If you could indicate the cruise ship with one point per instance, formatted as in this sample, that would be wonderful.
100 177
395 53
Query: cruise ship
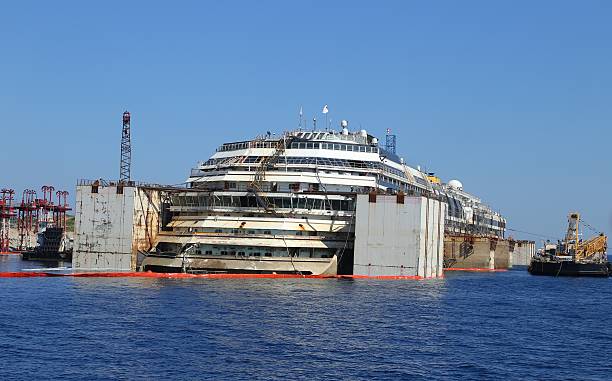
286 204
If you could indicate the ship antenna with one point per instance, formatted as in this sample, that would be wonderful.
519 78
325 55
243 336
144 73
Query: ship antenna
301 118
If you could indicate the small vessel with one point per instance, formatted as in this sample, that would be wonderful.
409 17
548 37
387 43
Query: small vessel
52 245
573 256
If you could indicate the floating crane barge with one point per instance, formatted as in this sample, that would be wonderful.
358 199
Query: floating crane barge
573 257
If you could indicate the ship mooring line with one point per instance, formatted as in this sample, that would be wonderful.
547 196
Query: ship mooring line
533 234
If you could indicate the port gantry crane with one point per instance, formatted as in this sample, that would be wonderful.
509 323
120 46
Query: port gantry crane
585 250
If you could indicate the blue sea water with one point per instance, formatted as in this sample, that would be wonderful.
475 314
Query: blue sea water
468 326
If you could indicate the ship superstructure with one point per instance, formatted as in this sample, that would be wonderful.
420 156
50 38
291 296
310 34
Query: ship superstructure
286 204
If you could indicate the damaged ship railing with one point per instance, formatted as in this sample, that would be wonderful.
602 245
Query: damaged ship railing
131 183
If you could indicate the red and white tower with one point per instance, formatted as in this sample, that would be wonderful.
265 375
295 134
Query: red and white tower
6 213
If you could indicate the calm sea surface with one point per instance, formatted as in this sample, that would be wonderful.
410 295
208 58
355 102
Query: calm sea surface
467 326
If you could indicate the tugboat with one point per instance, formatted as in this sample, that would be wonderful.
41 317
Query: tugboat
572 256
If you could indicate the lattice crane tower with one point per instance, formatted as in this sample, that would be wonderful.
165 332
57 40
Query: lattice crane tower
126 150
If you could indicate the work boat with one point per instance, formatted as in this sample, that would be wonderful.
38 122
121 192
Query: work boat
572 256
287 204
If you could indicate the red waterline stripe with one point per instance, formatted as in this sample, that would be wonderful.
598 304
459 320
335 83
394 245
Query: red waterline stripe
10 252
32 274
478 269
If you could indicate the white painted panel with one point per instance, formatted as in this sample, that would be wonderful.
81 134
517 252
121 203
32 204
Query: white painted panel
398 239
103 235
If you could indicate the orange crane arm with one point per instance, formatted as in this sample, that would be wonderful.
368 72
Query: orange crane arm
592 246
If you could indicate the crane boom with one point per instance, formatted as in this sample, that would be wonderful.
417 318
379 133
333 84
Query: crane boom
584 250
591 247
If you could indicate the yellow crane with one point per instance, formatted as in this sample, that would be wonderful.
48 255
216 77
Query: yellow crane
591 247
583 250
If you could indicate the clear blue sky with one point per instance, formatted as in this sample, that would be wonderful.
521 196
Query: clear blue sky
514 98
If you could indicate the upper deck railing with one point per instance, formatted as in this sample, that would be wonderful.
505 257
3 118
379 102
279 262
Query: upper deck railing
271 141
140 184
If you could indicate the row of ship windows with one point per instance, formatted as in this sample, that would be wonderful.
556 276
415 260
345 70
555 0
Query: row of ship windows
476 219
480 220
473 229
251 202
244 145
322 161
334 146
259 252
299 145
252 231
389 182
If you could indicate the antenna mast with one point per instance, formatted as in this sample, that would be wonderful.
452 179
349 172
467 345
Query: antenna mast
390 142
126 150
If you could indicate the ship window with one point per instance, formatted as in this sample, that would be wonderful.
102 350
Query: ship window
267 232
298 203
286 202
223 252
309 145
257 254
208 252
241 253
94 189
268 254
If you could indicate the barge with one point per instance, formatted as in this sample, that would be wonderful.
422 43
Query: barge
573 256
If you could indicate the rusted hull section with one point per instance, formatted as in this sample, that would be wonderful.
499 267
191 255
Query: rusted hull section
278 265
